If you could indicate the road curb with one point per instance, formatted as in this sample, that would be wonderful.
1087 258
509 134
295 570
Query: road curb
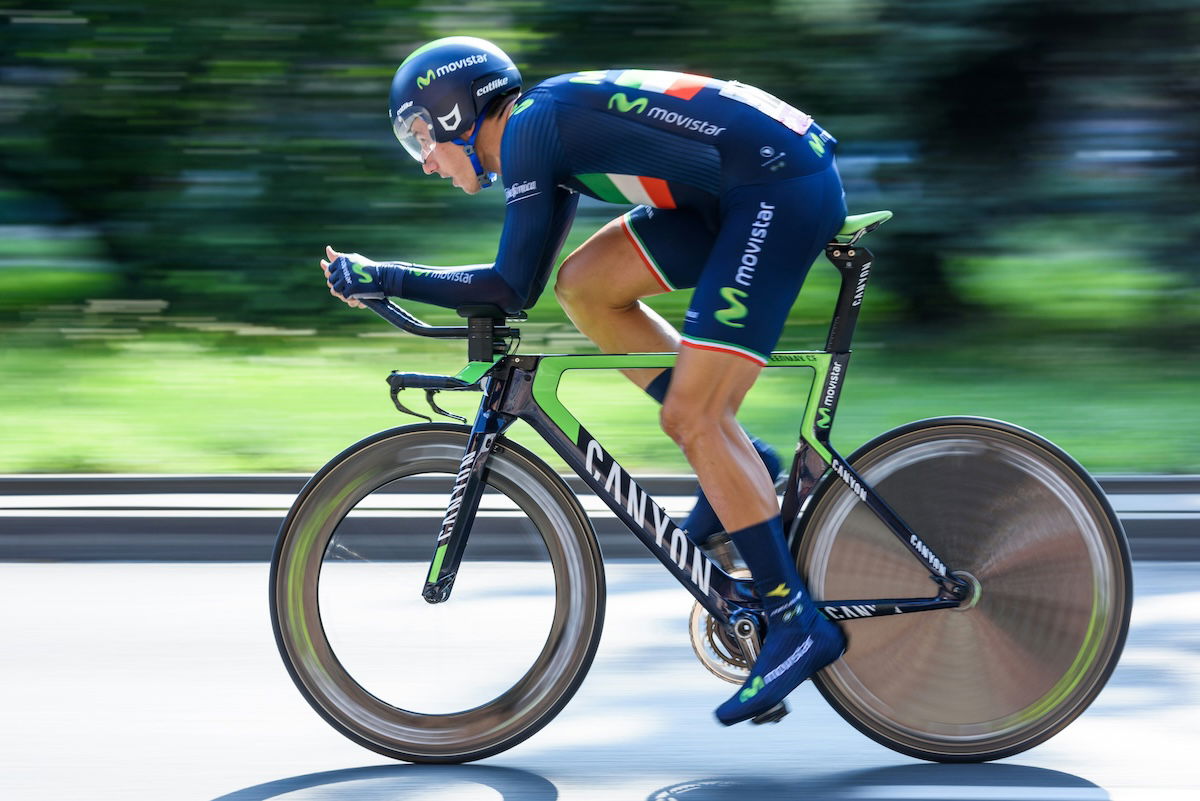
234 518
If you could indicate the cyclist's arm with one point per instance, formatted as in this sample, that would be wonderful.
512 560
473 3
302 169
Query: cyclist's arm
532 237
537 218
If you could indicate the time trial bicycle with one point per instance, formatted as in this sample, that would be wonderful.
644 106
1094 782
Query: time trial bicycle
437 591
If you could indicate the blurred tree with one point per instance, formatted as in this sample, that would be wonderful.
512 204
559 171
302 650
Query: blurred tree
209 146
216 148
977 91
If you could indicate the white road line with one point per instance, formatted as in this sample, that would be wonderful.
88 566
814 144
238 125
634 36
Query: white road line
163 503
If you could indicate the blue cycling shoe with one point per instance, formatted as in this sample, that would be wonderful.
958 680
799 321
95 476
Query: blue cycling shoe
800 640
793 651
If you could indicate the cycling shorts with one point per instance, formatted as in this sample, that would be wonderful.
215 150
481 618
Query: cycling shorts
748 264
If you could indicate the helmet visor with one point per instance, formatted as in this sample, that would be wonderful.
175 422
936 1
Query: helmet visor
414 129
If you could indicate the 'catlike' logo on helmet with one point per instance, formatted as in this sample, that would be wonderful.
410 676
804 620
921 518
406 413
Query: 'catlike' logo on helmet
496 84
451 120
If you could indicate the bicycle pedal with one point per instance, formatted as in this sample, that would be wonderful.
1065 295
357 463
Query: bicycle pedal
772 715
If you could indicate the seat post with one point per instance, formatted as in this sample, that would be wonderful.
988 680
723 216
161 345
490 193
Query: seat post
854 264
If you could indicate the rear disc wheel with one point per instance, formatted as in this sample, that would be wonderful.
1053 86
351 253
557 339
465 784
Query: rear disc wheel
1051 590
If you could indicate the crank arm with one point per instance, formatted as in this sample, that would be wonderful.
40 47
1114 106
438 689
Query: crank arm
745 629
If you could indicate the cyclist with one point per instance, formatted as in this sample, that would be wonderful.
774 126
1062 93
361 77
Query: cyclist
736 193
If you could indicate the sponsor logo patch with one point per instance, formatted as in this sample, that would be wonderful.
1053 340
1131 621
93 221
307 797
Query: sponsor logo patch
623 104
758 234
432 75
736 311
490 85
646 514
451 120
520 191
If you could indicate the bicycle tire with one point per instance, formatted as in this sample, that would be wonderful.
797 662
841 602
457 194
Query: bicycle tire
1037 641
346 606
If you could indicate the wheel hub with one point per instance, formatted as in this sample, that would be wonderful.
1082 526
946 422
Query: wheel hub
974 590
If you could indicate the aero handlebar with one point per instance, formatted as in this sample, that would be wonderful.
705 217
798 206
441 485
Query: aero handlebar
407 322
485 331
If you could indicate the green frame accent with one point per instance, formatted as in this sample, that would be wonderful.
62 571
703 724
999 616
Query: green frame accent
439 556
477 370
550 371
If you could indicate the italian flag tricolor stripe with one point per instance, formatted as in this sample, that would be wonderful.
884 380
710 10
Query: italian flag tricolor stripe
676 84
644 252
724 347
637 189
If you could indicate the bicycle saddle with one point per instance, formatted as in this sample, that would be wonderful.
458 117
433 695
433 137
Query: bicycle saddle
863 223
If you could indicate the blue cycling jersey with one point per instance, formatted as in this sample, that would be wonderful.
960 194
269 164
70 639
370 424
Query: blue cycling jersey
736 190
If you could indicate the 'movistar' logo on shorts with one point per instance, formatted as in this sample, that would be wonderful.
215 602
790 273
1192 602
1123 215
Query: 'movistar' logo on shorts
736 311
754 243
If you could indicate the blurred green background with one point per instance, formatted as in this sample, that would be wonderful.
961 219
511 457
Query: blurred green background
170 173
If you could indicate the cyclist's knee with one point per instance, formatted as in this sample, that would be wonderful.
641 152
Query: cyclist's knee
604 271
591 276
689 421
576 279
676 422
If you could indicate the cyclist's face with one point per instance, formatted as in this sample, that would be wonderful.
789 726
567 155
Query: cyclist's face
420 131
449 160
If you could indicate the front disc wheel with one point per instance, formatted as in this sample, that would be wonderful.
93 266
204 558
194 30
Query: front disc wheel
458 680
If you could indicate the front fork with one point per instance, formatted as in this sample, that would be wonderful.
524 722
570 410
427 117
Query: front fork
464 501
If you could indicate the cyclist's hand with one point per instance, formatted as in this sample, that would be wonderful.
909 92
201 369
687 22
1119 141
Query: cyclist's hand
351 277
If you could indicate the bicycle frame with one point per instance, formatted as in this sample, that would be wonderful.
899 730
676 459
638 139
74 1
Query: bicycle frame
525 388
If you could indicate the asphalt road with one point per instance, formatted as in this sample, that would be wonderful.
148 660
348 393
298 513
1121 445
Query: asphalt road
158 682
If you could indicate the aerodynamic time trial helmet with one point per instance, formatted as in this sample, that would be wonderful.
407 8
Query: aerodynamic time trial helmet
442 88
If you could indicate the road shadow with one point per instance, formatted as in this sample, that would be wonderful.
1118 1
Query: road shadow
400 781
924 782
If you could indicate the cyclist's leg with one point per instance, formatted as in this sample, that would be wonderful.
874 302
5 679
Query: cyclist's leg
699 413
770 235
601 284
642 253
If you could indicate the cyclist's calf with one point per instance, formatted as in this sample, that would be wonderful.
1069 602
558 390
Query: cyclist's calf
706 391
